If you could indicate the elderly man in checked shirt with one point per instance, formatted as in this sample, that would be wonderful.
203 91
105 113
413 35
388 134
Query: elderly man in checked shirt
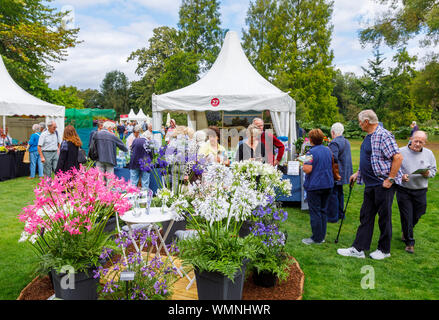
379 170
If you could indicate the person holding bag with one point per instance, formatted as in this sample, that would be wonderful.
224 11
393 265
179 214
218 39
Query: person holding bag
68 155
34 156
319 181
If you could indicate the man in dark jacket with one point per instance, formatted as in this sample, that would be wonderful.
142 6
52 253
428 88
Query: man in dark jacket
341 150
107 142
270 142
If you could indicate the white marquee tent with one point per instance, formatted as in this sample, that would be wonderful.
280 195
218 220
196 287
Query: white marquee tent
141 116
232 84
14 101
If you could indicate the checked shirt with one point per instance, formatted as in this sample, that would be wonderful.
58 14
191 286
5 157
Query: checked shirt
384 147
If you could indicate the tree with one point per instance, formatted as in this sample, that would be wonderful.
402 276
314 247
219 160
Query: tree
67 97
32 35
180 70
164 43
304 67
400 109
92 98
403 21
348 91
260 38
199 25
114 90
425 87
373 85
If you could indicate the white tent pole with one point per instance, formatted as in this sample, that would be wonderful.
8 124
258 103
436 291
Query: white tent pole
4 123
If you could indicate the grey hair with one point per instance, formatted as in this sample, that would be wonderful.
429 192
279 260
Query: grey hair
337 128
257 119
137 128
252 130
369 115
108 125
36 127
200 136
42 125
51 123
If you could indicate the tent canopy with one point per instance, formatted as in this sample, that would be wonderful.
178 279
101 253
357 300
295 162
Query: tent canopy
14 101
141 116
232 84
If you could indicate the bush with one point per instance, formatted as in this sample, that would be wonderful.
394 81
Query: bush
402 132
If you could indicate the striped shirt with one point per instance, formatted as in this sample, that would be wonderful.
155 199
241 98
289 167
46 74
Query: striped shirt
384 147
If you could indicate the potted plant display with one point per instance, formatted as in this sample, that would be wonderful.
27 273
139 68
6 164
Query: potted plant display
173 166
271 262
218 205
65 226
131 276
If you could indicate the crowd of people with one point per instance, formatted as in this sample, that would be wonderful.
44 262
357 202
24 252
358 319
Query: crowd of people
384 169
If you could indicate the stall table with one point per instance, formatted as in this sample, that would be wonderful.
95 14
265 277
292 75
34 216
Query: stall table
12 166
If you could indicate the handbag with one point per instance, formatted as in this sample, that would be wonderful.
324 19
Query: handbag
26 156
335 170
93 150
81 155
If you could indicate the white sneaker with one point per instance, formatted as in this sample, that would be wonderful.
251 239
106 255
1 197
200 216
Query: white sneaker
309 241
379 255
351 252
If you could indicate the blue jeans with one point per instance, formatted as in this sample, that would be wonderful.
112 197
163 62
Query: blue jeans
35 159
317 202
135 174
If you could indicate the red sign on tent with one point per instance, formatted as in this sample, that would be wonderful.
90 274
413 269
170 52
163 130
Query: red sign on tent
215 102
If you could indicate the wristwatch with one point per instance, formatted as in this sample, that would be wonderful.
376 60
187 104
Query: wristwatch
392 180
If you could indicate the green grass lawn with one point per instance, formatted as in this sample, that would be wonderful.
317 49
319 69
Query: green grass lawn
327 275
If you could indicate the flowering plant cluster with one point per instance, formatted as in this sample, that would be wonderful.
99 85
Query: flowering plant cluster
152 275
66 222
218 205
177 164
267 217
272 256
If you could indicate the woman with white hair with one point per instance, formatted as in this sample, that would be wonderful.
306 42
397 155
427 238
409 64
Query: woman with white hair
34 156
414 127
341 150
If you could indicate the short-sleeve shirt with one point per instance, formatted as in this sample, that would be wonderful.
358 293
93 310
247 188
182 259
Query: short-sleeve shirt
49 141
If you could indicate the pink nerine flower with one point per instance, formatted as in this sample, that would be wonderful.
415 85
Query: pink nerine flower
75 201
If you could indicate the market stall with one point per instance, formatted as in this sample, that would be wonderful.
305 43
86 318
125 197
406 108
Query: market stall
232 84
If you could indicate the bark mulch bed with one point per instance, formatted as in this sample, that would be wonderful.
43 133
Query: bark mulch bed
290 289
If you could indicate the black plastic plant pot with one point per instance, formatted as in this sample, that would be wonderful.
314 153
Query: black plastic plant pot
264 279
245 229
82 287
217 286
110 226
178 225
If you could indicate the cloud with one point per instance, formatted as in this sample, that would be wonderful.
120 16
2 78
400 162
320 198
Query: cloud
104 48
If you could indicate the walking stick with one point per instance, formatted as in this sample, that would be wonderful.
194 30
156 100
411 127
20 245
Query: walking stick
351 186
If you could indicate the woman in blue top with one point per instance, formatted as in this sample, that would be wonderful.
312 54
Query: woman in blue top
318 184
34 156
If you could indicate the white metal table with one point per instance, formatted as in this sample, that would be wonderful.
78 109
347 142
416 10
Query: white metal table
155 216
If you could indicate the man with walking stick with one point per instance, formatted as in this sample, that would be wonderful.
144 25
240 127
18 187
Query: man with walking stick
379 170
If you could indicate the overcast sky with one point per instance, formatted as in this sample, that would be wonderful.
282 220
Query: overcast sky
112 29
